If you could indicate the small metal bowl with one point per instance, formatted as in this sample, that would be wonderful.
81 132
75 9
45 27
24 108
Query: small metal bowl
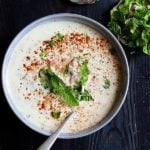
99 28
84 1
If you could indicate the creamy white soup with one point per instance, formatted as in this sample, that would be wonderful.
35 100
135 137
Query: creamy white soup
62 66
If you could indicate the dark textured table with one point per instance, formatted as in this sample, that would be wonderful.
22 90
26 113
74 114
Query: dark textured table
129 130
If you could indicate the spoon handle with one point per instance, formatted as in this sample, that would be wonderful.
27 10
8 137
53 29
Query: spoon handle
50 141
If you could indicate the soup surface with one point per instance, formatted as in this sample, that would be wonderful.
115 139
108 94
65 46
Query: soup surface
62 66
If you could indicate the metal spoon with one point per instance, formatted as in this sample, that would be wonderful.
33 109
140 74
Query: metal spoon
50 141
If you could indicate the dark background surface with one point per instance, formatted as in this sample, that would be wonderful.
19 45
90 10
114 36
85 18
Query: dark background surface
129 130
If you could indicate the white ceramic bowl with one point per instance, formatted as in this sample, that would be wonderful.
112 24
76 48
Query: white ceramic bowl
100 28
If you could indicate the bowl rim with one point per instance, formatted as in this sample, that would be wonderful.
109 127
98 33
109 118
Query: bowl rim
85 20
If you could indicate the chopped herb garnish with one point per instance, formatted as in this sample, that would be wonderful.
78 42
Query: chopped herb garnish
55 115
84 72
42 55
106 84
57 86
52 42
86 35
70 95
58 37
85 96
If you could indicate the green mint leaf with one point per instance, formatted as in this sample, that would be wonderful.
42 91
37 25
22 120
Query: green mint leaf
84 72
115 28
69 95
146 49
130 22
85 96
57 86
69 98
